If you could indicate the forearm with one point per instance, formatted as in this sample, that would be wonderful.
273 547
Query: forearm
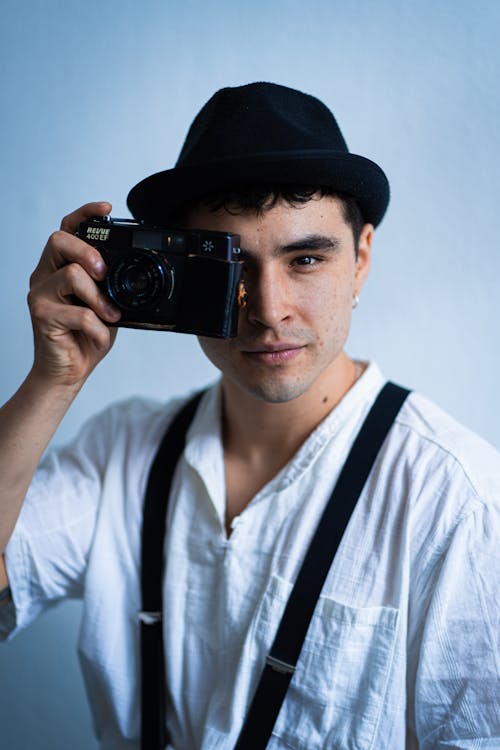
27 423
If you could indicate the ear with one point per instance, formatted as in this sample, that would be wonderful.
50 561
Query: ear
364 259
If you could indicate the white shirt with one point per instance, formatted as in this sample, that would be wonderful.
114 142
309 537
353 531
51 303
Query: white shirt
404 646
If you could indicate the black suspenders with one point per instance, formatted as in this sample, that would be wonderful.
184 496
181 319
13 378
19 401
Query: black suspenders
285 651
153 698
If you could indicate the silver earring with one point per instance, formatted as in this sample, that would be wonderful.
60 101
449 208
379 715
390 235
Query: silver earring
355 301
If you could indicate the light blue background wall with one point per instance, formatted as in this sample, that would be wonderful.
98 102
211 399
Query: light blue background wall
96 95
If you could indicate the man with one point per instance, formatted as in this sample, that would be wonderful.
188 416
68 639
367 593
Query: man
402 649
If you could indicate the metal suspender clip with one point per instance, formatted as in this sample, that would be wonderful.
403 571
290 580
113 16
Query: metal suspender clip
149 618
279 666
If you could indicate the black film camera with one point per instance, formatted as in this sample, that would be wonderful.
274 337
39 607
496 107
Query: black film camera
169 279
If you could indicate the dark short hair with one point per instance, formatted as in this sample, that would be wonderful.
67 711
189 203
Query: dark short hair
261 198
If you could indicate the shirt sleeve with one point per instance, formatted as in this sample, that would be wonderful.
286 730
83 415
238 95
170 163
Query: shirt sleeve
457 671
48 550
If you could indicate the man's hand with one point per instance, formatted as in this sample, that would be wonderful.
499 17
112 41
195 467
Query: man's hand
70 339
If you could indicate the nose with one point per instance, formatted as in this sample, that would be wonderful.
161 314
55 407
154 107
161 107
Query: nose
268 302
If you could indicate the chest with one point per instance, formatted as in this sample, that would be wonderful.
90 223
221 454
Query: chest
244 481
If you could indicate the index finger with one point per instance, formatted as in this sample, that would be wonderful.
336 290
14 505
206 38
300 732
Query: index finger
63 249
71 221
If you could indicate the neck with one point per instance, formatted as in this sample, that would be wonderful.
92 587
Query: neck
260 431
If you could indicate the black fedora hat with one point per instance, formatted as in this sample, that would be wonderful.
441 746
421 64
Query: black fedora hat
262 134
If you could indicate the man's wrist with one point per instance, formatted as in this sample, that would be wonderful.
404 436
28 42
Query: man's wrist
41 385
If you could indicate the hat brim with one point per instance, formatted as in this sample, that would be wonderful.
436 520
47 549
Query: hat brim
159 195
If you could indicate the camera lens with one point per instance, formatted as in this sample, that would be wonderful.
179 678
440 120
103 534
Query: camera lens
139 280
136 281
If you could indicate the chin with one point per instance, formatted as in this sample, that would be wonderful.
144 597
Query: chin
275 392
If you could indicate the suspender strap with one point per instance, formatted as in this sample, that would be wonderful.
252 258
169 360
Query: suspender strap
153 725
281 662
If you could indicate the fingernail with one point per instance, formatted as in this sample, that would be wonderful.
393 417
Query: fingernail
112 311
99 266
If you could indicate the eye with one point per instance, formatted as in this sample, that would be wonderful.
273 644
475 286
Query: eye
306 261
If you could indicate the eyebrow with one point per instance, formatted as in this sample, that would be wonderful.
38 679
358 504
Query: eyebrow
308 242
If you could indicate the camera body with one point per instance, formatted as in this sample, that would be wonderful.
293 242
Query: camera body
169 279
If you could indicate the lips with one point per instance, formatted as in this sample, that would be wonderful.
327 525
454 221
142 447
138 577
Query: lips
278 353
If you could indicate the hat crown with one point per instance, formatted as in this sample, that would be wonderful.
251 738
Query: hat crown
259 118
261 134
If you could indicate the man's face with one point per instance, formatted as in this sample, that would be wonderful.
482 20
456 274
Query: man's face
301 274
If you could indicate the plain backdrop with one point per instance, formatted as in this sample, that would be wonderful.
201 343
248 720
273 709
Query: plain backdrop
96 95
